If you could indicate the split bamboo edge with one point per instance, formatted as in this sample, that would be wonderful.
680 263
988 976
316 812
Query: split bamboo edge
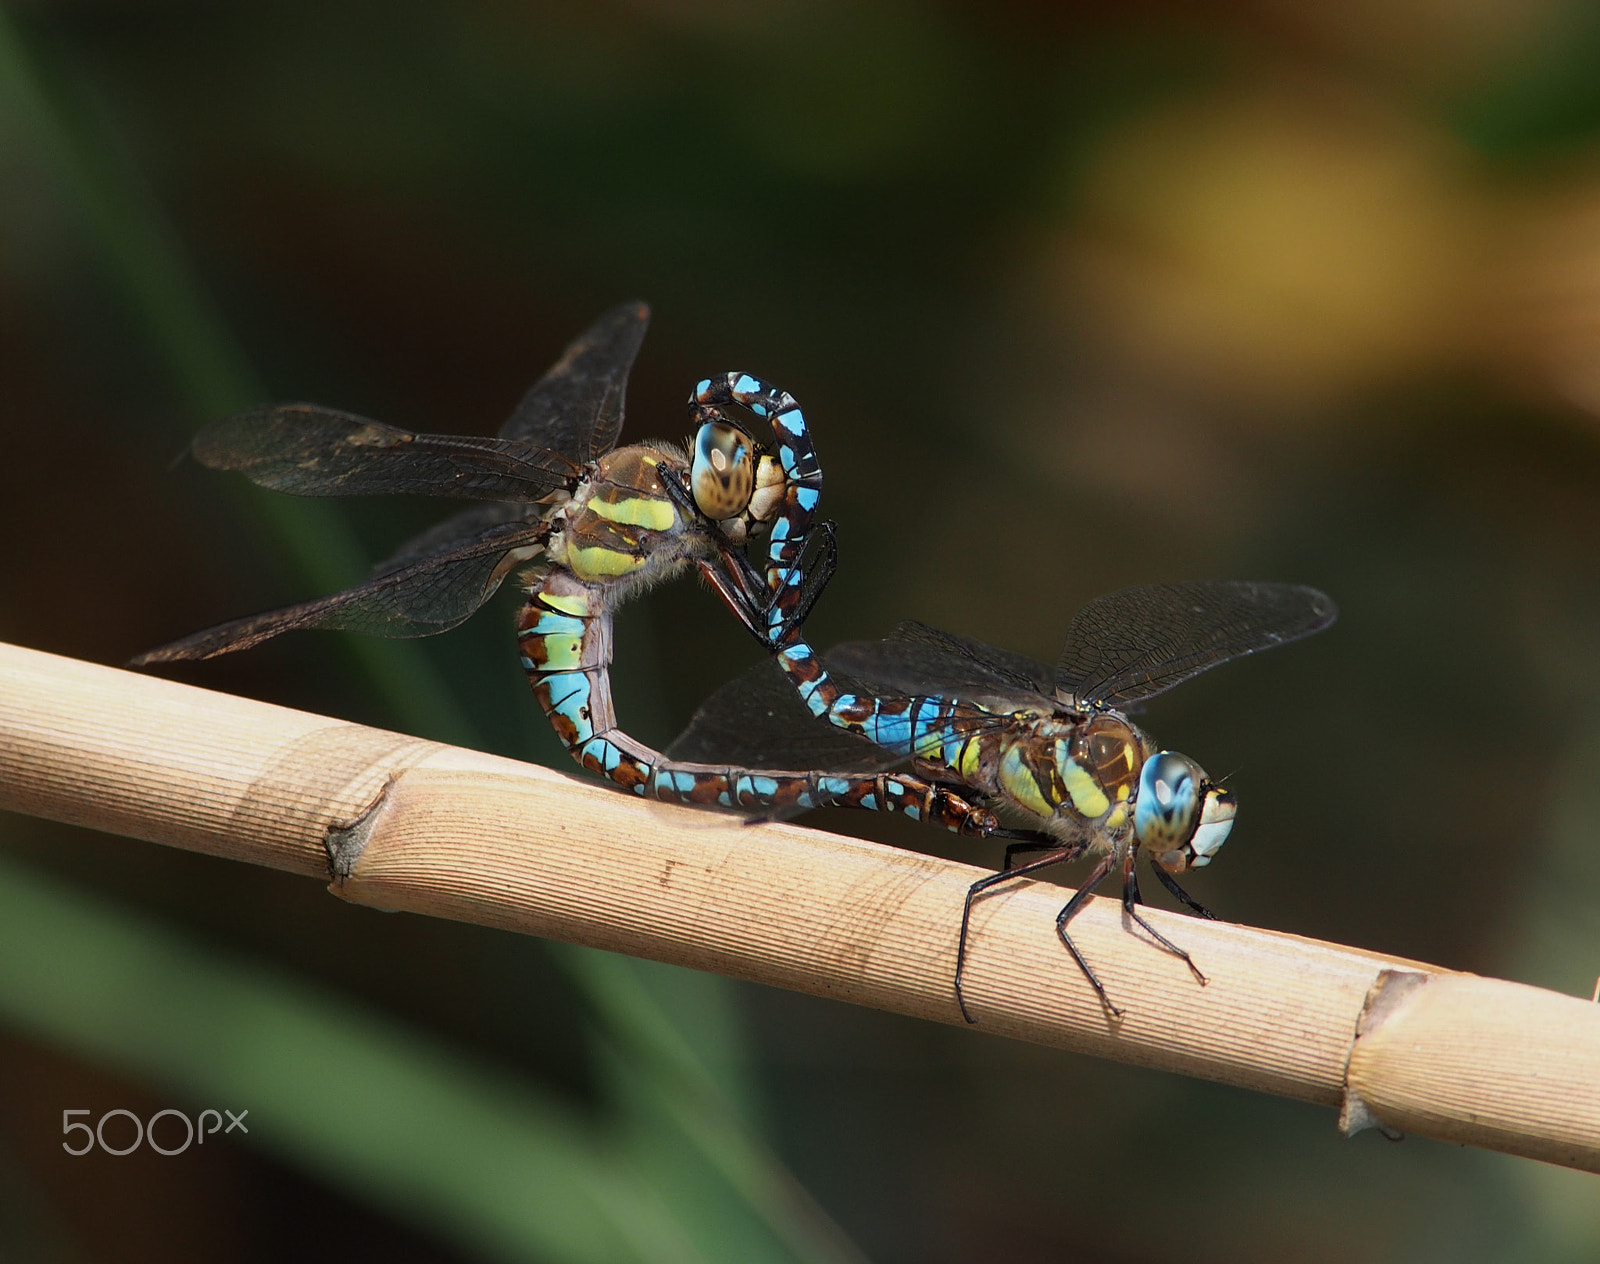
395 822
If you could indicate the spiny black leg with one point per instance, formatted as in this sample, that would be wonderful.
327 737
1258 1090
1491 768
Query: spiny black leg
1030 840
741 587
1187 900
744 607
1061 855
747 594
1130 897
1080 897
1019 849
1033 836
676 485
814 580
750 584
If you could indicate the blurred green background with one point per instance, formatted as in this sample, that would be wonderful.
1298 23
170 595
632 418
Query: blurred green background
1075 298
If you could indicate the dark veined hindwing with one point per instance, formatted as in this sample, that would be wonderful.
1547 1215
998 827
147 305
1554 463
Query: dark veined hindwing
417 598
576 408
308 450
917 659
434 582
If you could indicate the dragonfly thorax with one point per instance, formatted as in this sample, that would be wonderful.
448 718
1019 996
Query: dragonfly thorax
1074 772
622 523
620 518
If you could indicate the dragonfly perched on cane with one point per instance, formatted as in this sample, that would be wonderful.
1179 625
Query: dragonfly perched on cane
985 728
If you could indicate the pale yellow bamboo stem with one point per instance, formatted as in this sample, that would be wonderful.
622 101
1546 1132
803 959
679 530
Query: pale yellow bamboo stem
399 823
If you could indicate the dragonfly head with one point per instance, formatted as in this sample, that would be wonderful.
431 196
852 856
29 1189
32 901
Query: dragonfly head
723 473
733 482
1180 814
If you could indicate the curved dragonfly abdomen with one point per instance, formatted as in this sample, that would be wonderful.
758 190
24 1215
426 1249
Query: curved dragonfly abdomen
565 630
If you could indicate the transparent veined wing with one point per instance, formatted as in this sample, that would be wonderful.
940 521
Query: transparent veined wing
433 594
576 409
757 720
919 659
1136 643
308 450
459 528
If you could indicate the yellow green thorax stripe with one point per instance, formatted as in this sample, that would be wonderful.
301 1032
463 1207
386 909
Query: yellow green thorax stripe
1088 799
654 513
971 752
599 562
1019 782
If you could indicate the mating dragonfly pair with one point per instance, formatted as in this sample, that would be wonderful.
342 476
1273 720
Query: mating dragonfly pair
926 723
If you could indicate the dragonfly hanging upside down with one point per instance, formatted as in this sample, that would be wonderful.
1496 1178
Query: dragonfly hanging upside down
983 728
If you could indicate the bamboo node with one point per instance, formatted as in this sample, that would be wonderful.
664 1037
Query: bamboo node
1385 998
346 840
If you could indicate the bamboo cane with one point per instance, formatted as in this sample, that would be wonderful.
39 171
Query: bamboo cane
399 823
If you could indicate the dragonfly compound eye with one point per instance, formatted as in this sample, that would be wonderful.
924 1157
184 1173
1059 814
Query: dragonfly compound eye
1179 815
723 474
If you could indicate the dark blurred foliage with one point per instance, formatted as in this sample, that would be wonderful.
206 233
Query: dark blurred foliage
1074 299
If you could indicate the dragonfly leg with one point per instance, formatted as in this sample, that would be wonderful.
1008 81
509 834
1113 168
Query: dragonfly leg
752 608
1059 856
814 579
1079 898
1184 898
737 600
1130 899
1029 841
804 583
740 570
742 588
